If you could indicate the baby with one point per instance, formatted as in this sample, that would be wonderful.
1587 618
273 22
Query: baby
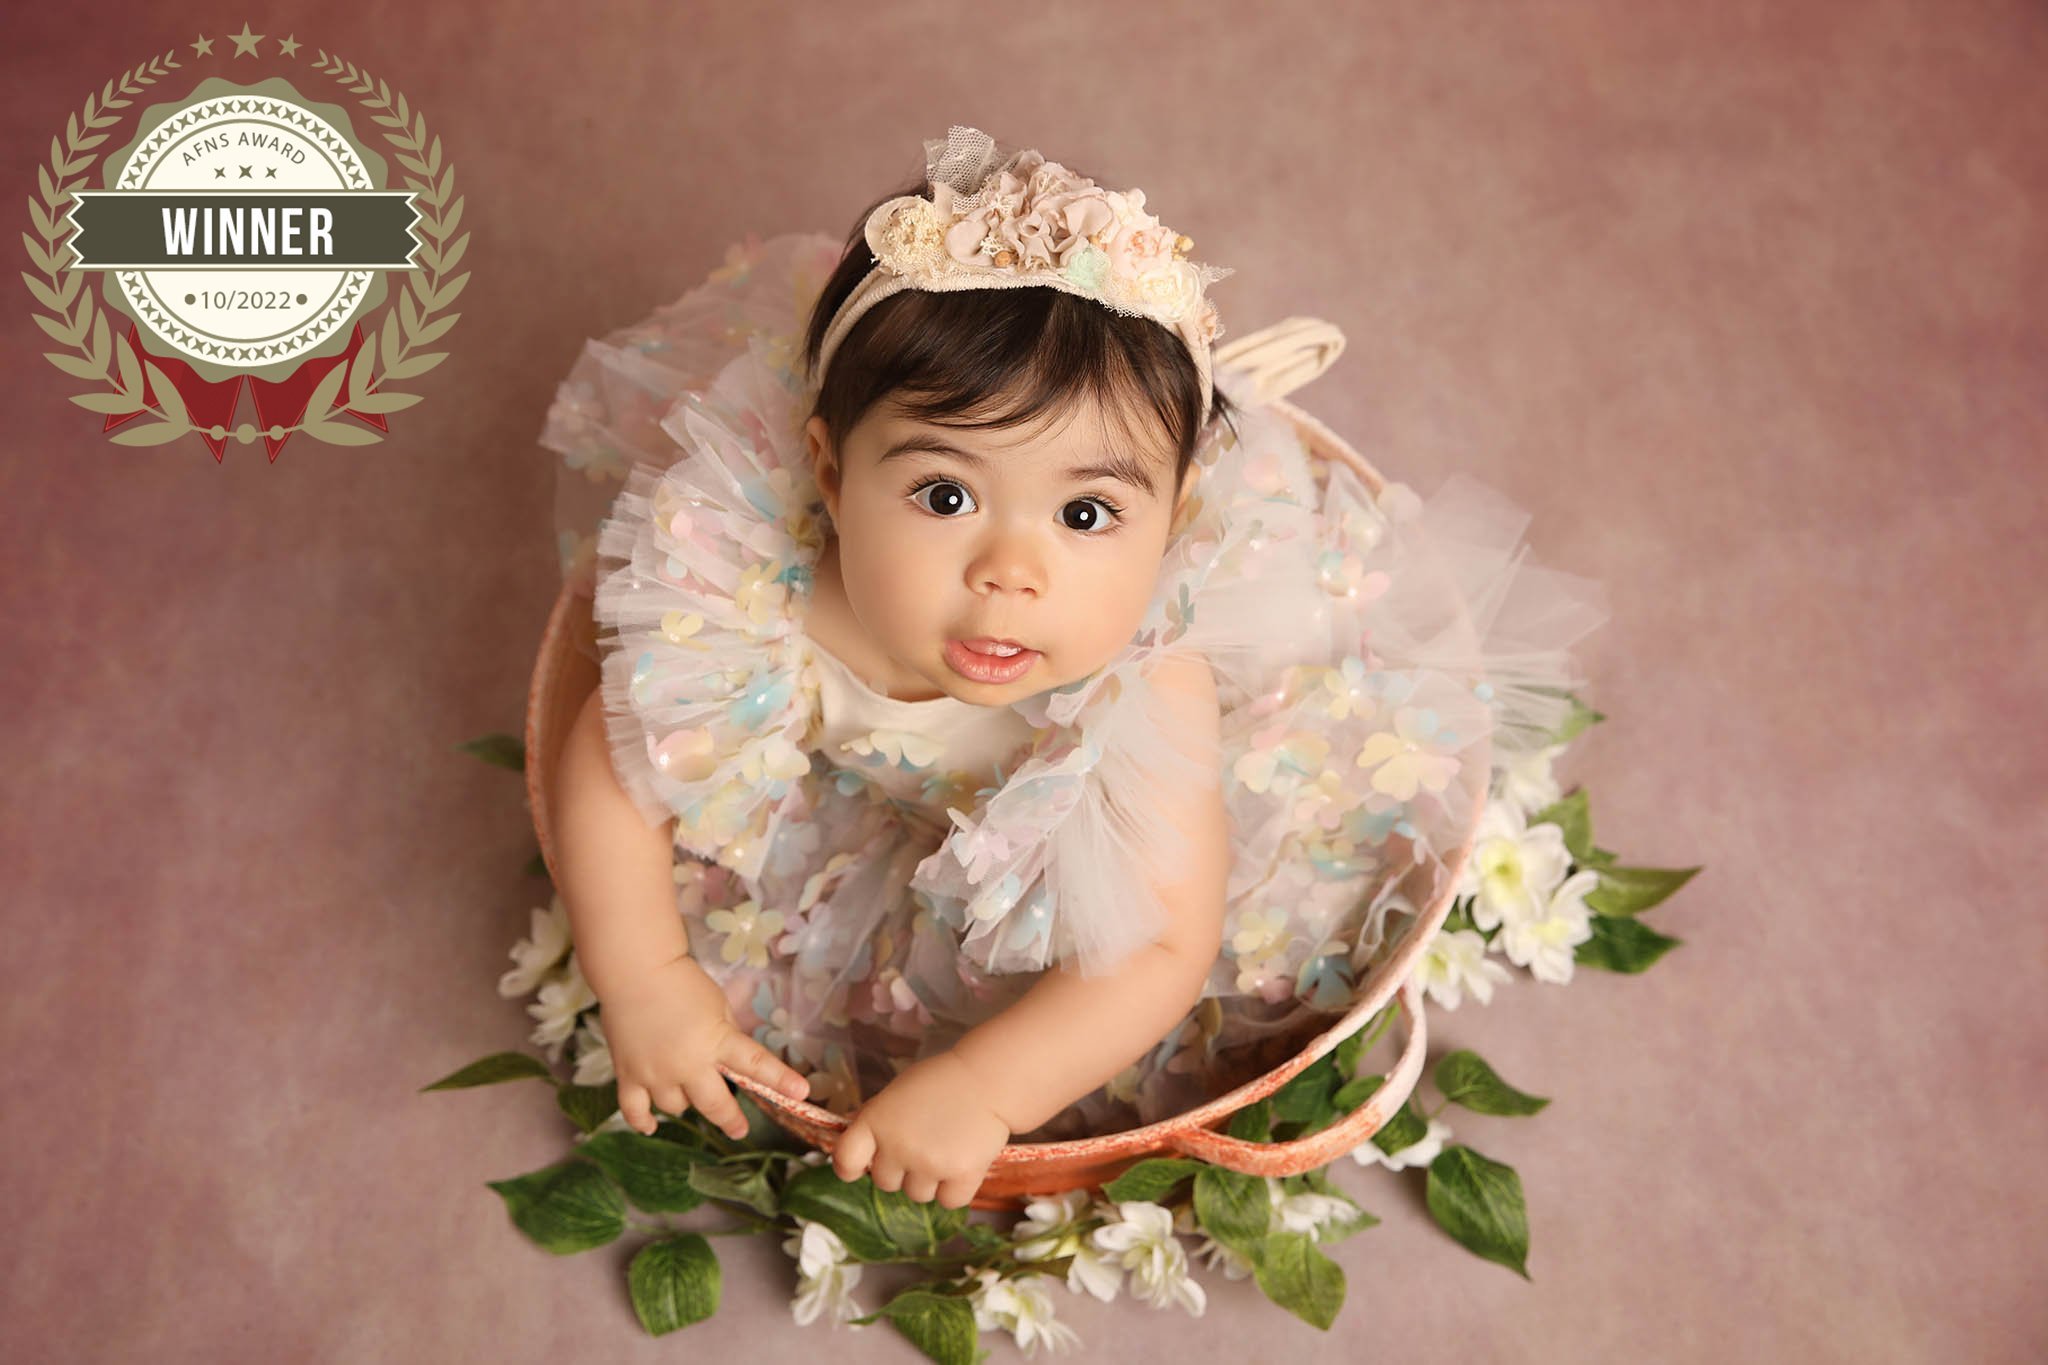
1045 736
1001 470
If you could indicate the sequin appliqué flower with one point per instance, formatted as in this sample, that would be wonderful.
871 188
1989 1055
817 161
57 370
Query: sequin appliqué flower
1401 763
748 930
903 748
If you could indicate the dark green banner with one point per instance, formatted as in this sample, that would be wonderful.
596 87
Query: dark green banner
333 229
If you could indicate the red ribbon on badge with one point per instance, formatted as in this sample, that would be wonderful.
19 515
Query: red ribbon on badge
212 402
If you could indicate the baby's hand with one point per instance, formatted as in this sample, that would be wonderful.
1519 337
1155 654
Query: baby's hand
928 1132
667 1033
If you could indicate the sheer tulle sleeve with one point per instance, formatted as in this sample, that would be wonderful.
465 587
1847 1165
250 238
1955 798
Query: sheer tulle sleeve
606 417
702 567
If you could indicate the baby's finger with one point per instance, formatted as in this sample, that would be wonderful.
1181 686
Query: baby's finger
887 1174
715 1102
853 1151
957 1194
920 1187
633 1103
669 1098
744 1054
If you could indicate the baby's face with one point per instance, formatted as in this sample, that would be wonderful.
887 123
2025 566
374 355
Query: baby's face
1049 536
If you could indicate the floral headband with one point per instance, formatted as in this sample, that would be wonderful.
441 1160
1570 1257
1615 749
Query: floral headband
1001 219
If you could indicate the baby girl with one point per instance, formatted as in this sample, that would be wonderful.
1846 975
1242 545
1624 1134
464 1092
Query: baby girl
996 687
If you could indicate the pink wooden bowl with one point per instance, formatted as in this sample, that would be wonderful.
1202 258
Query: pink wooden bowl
563 676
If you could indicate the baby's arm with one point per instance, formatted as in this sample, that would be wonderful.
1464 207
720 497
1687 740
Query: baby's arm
1069 1033
666 1021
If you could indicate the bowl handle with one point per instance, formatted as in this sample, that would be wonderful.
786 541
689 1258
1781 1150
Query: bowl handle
1218 1149
1322 1147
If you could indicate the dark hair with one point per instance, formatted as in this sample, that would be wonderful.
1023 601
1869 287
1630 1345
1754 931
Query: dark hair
988 359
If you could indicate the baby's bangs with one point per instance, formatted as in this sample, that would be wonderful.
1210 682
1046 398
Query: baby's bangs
992 359
998 359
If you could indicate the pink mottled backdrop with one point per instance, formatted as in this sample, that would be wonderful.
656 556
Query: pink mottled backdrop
1744 301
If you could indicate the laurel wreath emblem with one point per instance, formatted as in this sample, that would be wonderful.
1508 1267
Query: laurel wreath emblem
76 320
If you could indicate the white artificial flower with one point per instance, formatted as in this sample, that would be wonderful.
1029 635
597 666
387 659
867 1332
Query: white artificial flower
1144 1244
562 997
1214 1254
538 952
1455 962
593 1053
1022 1309
1418 1153
1514 865
1306 1210
1046 1232
1543 943
825 1275
1527 781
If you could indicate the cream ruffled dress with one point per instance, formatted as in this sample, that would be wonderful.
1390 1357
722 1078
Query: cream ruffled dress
869 878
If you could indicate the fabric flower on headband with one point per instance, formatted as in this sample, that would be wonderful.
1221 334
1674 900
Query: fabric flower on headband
1000 220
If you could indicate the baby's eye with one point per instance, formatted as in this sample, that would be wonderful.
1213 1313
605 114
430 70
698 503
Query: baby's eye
950 498
1096 515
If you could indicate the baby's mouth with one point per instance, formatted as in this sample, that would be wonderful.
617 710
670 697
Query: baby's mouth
991 661
1001 649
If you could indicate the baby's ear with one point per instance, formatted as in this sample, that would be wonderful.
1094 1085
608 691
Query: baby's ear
824 463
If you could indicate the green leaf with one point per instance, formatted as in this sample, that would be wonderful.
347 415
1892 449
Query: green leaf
1344 1057
1575 724
1300 1278
940 1325
492 1070
1305 1101
1622 944
507 751
588 1106
1479 1202
1356 1091
1406 1128
1254 1122
875 1225
982 1237
537 865
1152 1179
568 1207
1467 1080
674 1282
741 1183
1571 814
1627 890
1232 1207
654 1174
